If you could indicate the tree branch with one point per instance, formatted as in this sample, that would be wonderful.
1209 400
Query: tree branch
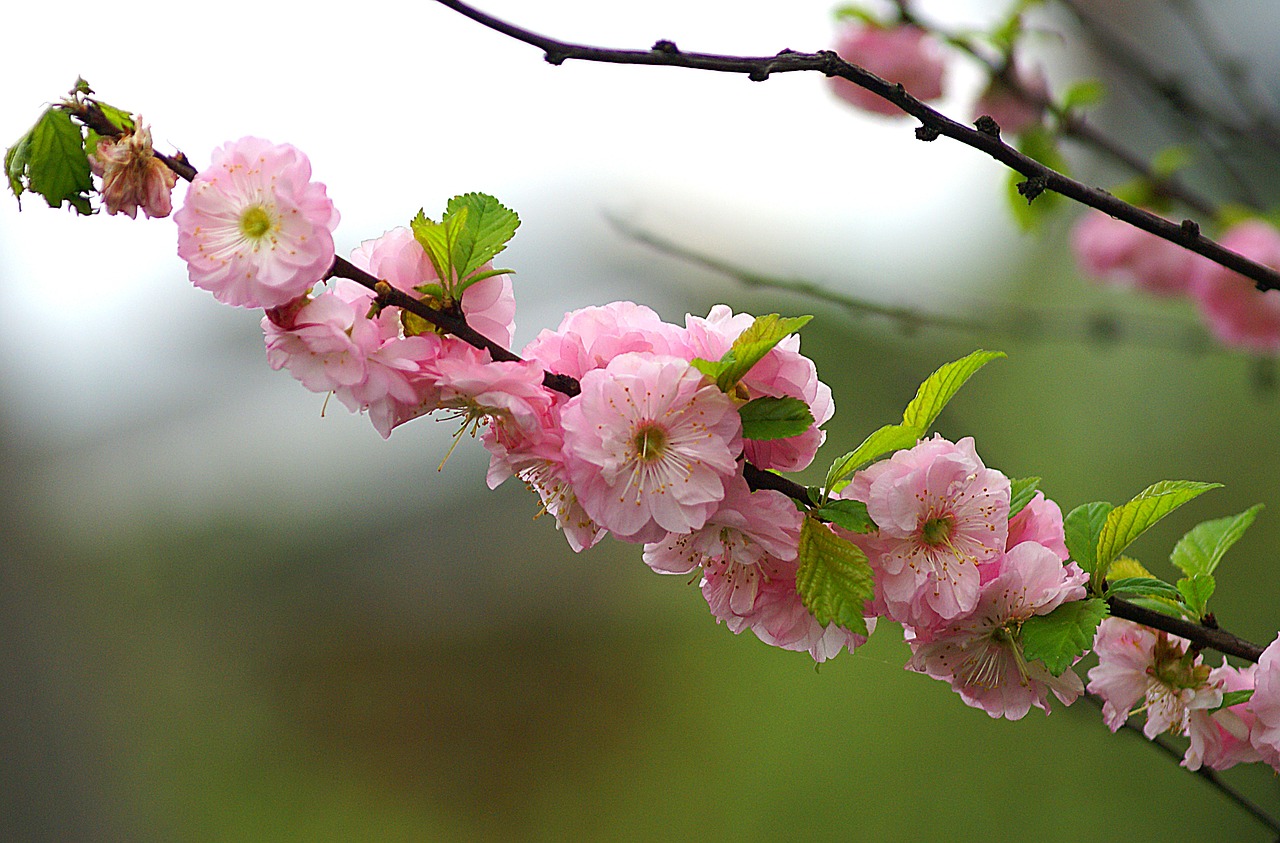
933 124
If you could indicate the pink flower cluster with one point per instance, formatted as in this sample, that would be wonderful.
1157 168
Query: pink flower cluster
1183 696
1233 309
962 577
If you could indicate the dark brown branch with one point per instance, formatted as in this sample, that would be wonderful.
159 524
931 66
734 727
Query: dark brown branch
933 124
1198 634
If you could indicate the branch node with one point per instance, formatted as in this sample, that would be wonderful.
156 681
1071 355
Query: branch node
665 46
830 62
1032 187
759 74
556 57
927 133
987 125
1190 229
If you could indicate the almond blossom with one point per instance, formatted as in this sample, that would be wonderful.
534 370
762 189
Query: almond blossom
255 230
905 55
1220 739
1114 251
1265 704
132 176
1236 312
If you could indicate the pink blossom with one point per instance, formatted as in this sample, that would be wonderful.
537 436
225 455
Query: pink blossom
255 230
132 177
508 395
649 446
1265 734
1039 521
1114 251
1015 111
900 54
324 344
589 338
941 514
1136 663
549 479
980 654
1236 312
1221 739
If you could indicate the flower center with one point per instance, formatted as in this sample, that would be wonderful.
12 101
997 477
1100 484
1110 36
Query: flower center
937 530
650 442
255 222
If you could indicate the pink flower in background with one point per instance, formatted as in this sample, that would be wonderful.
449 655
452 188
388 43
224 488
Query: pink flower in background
650 445
1014 111
1265 734
255 230
1114 251
980 654
132 177
900 54
1236 312
1221 739
941 515
1136 663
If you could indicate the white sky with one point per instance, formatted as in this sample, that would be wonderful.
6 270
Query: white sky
401 105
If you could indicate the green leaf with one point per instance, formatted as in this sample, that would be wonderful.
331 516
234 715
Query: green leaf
1202 548
16 160
54 163
1196 591
834 580
1021 492
851 515
1142 587
1065 633
438 240
1171 159
891 437
1083 525
753 344
1231 698
1083 94
940 387
1164 607
1031 210
710 368
487 227
774 418
1130 520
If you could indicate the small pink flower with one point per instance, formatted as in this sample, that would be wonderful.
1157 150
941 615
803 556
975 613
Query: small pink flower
325 344
1116 252
1039 521
1221 739
980 654
901 54
1265 734
255 230
132 177
1136 663
589 338
650 445
1015 111
1236 312
941 515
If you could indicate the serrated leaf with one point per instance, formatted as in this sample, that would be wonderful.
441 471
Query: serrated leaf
1164 607
851 515
710 368
16 159
753 344
1142 587
121 118
834 580
1059 637
941 387
1202 548
488 227
1130 520
1127 566
774 418
1230 698
1083 94
1082 526
1021 492
57 166
438 240
1196 591
891 437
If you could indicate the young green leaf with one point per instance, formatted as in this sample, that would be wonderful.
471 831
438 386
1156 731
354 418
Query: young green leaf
774 418
16 160
891 437
431 236
851 515
1083 94
941 387
1021 492
1231 698
1083 525
489 225
1130 520
834 580
1196 591
1065 633
753 344
1202 548
1030 209
53 162
1142 587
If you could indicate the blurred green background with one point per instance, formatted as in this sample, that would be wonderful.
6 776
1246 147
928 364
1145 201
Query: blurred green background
229 618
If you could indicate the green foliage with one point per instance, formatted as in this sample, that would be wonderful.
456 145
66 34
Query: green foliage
749 348
1196 591
774 418
1059 637
1171 159
51 160
1083 526
1130 520
1142 587
1029 212
1021 492
1202 548
1230 698
834 580
851 515
891 437
474 229
941 387
1083 94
